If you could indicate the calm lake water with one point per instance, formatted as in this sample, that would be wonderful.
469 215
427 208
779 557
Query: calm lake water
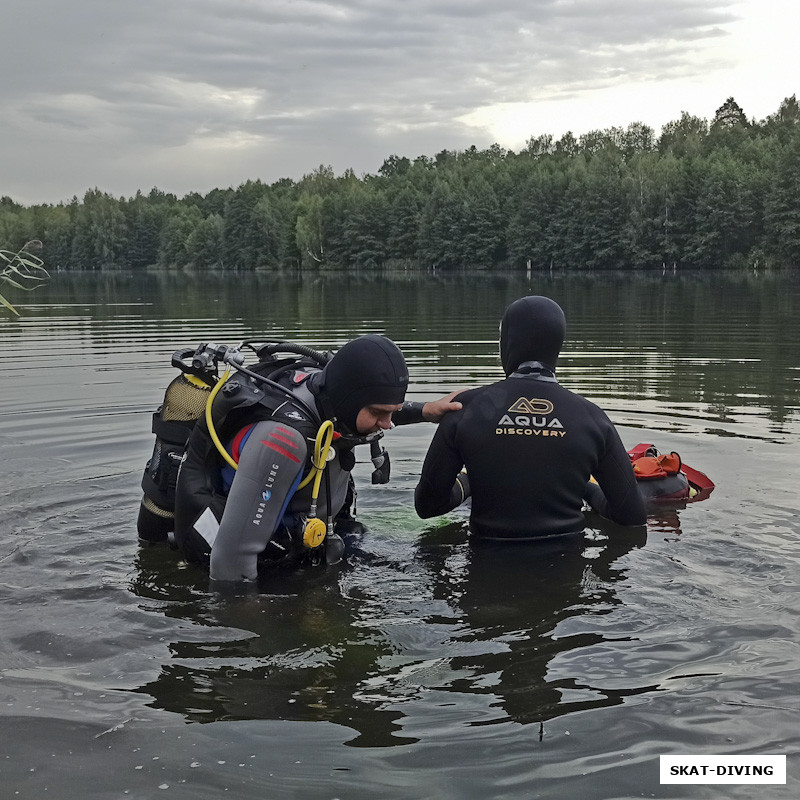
423 667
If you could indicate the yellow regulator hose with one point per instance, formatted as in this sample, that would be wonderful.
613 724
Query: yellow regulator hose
211 429
322 445
315 529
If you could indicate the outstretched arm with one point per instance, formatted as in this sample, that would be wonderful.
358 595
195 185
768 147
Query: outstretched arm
432 411
435 410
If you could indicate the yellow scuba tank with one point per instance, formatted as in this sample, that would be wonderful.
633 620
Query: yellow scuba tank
184 403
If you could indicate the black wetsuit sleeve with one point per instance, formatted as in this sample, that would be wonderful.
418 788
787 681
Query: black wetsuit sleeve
441 488
410 413
617 496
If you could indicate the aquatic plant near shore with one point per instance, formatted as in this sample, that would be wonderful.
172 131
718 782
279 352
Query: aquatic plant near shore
22 270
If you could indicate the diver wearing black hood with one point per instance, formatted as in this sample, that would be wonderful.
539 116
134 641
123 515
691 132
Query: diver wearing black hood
532 329
369 371
529 445
234 524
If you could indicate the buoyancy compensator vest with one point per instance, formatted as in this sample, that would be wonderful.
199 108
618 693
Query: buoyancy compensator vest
201 493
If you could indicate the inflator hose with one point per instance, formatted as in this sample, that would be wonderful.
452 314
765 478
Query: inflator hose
210 423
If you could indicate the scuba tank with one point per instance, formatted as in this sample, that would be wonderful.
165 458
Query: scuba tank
184 403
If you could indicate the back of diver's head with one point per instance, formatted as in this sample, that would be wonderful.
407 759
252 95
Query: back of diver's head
369 370
532 329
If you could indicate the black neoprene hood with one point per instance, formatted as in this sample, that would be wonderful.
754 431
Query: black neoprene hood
533 329
367 371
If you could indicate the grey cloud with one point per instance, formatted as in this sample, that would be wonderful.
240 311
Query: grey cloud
313 81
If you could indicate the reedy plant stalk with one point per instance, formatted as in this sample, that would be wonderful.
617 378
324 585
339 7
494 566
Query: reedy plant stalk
22 270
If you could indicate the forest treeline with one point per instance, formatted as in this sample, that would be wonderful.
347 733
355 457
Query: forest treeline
702 194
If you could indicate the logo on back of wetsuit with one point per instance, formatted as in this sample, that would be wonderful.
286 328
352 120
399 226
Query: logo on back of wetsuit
530 417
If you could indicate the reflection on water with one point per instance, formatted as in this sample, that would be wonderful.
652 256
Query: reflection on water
510 605
286 653
710 352
425 666
469 620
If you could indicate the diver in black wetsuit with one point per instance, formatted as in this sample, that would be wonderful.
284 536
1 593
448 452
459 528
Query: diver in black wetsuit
262 514
529 445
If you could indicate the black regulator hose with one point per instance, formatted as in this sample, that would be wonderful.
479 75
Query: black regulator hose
270 348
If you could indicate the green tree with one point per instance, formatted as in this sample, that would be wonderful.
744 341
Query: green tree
729 116
782 211
593 214
312 221
361 221
533 227
58 231
539 146
145 220
272 221
395 166
782 126
484 242
684 137
308 231
244 235
726 213
175 235
205 244
101 232
443 226
730 127
403 210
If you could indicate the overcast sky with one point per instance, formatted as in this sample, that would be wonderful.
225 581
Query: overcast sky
189 95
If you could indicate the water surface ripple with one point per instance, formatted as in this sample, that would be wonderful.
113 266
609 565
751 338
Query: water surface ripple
424 667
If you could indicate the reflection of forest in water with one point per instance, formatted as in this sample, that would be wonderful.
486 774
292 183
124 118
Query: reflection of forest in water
719 342
443 622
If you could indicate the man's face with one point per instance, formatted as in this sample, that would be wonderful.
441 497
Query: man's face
377 417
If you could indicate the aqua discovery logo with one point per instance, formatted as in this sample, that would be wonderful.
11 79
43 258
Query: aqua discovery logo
530 417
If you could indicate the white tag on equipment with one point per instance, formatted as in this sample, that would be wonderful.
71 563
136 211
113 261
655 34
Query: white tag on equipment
207 526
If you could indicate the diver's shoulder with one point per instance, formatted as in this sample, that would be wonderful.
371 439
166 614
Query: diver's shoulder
469 395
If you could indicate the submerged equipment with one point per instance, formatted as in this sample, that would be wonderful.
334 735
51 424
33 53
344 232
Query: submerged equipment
664 478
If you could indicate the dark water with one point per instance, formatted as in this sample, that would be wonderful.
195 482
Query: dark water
423 668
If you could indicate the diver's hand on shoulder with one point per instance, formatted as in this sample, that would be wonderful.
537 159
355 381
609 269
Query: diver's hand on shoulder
435 410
